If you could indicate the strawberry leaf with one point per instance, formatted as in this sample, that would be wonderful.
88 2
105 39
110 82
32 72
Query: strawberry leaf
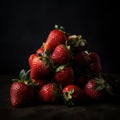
99 87
27 75
68 99
67 96
82 43
72 91
61 67
108 89
61 28
22 74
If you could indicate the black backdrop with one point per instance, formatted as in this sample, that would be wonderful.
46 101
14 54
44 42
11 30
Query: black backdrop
25 25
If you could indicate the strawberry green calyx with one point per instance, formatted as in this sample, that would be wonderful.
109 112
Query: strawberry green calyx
46 58
68 98
67 47
102 84
57 90
61 67
61 28
25 78
46 53
76 41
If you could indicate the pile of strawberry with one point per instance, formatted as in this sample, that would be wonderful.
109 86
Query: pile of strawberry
61 70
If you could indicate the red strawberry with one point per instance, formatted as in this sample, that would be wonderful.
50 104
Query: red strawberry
39 68
95 65
95 68
64 75
48 93
40 51
61 55
94 57
96 88
20 94
72 94
31 57
55 37
82 58
20 91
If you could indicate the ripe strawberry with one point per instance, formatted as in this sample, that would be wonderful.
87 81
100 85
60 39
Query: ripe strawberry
95 67
64 75
61 55
82 58
20 91
96 88
31 57
40 51
39 68
94 57
72 94
55 37
48 93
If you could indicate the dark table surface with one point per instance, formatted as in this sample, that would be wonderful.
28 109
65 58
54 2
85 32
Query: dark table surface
105 110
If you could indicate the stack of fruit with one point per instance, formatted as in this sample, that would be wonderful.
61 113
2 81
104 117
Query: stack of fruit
61 70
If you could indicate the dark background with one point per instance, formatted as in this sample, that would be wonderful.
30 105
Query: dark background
25 25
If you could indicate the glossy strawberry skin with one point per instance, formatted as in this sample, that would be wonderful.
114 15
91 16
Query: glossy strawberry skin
82 58
54 38
91 92
20 94
95 65
65 76
77 94
61 55
31 57
94 57
40 51
48 93
38 69
95 68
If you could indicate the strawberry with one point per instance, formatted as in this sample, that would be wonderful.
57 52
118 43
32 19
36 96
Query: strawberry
61 55
72 94
31 57
64 75
95 65
96 88
82 58
94 57
39 68
55 37
77 43
40 51
95 68
48 93
21 91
